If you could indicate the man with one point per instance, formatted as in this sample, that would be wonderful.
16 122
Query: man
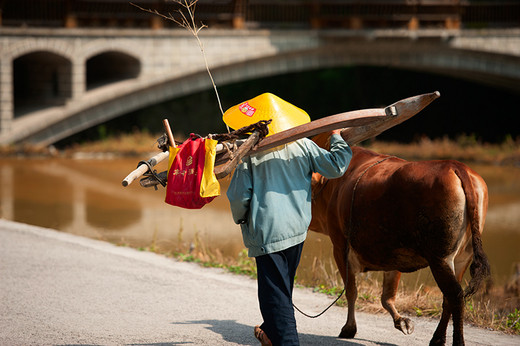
270 197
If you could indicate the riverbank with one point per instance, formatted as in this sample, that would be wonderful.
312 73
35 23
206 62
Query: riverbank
494 307
141 144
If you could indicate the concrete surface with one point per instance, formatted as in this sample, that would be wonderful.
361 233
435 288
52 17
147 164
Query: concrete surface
61 289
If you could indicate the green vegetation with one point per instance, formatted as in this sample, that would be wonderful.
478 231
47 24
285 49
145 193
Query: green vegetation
493 308
513 321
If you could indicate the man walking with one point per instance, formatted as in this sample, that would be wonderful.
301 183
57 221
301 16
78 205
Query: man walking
270 197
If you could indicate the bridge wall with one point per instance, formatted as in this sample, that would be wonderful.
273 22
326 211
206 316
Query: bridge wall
163 55
171 64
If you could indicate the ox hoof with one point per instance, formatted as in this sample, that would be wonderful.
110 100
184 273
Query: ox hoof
348 332
405 325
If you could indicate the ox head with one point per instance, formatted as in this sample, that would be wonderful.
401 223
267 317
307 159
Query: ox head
318 183
319 219
323 141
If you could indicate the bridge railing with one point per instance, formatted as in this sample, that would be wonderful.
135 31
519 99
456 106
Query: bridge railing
251 14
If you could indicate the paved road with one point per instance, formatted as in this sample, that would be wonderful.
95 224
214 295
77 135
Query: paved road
61 289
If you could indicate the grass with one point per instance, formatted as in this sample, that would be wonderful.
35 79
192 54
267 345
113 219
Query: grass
493 308
464 148
131 144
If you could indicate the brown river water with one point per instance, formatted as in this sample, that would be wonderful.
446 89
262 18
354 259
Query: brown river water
85 197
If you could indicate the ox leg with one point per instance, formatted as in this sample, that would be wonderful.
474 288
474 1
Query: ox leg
439 337
390 283
348 275
453 304
349 330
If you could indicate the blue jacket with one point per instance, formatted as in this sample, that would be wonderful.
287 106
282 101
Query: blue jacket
270 192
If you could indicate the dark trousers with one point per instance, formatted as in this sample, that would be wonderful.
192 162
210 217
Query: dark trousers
276 273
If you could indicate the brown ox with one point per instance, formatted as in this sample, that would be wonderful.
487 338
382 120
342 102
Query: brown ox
388 214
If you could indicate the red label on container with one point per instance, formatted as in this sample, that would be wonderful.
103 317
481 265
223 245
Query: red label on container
247 109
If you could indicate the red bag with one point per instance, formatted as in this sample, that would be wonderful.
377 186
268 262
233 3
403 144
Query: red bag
189 164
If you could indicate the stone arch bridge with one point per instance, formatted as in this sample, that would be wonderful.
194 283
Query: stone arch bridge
57 82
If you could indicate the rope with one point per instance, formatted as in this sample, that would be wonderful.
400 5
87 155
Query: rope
344 288
321 313
260 126
163 143
152 172
346 254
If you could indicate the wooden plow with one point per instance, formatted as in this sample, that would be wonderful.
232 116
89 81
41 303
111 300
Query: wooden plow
357 126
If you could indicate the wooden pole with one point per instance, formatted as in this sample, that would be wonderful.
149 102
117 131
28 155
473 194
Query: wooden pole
169 132
358 126
400 111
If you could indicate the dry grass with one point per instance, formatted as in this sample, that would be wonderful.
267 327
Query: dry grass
126 144
464 148
184 16
494 308
135 143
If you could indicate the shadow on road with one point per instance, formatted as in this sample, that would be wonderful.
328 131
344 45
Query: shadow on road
242 334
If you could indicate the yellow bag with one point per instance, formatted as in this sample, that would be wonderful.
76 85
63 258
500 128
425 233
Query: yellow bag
209 185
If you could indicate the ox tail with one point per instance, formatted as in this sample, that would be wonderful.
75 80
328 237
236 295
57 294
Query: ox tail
480 268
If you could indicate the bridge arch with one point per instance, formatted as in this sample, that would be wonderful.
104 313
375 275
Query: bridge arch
100 46
412 56
110 66
482 67
27 46
164 75
41 79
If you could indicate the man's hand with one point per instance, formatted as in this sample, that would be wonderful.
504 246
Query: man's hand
336 132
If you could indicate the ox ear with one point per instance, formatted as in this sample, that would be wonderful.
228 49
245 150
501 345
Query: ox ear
323 139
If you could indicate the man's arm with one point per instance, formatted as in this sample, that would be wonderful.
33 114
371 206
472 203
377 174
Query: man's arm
332 163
